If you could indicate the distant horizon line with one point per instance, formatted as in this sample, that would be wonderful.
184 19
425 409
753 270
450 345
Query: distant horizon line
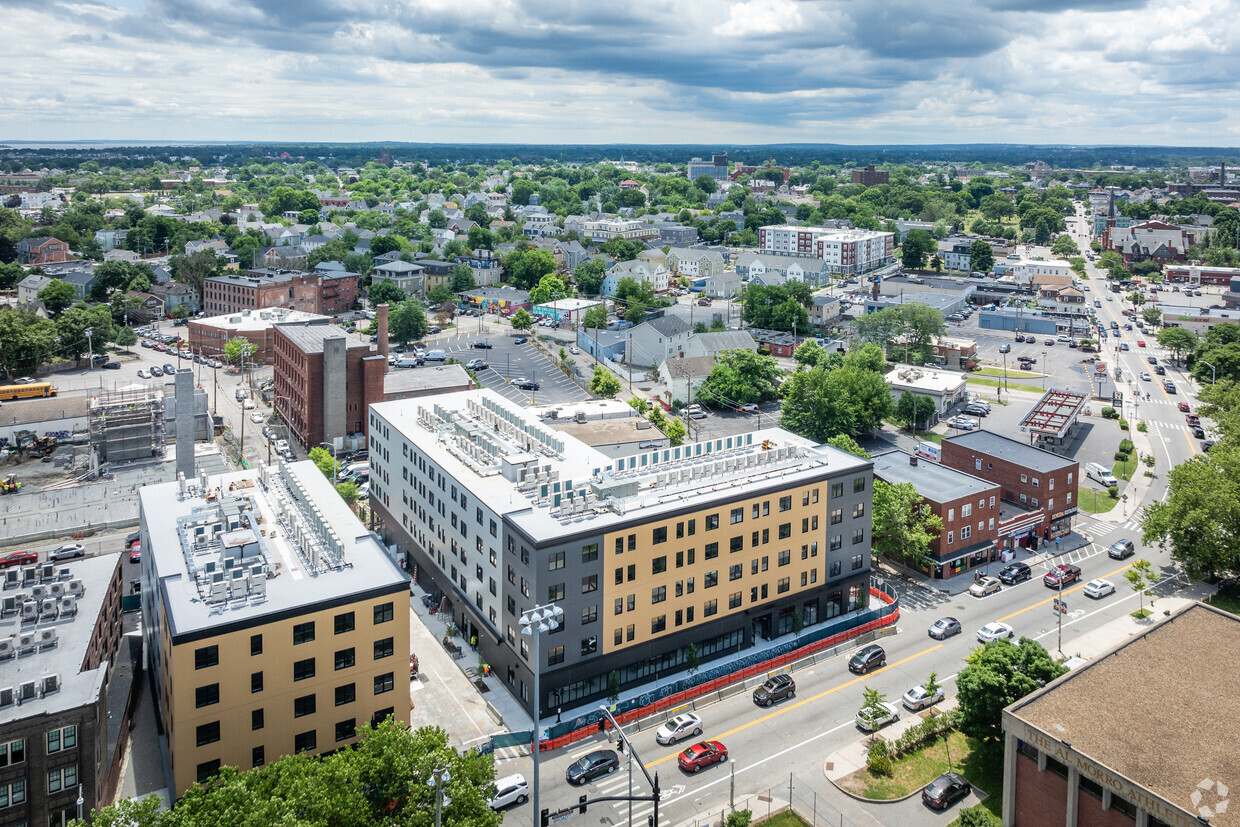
122 143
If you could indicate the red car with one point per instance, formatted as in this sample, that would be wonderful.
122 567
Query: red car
1184 407
19 558
1062 575
135 552
1140 343
1193 420
702 755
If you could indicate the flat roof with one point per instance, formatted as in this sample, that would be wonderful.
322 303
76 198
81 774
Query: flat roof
1154 709
926 379
342 561
933 481
308 336
1054 413
446 377
258 319
570 304
611 431
987 442
72 638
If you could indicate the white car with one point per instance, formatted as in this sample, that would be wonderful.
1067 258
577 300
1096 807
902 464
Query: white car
870 719
1099 588
995 631
574 350
962 423
1145 376
683 725
509 790
256 417
248 404
918 698
143 375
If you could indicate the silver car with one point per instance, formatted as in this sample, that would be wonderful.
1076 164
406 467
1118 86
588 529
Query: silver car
509 790
919 698
683 725
67 552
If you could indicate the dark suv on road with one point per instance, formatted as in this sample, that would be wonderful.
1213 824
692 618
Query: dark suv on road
867 658
1013 573
776 688
1121 549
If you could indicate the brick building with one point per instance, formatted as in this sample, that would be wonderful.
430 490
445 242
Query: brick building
326 294
967 505
1070 759
1037 486
209 336
42 250
869 177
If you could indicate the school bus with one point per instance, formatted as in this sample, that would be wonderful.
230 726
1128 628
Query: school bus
34 389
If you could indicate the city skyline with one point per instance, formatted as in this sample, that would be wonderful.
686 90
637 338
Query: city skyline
496 71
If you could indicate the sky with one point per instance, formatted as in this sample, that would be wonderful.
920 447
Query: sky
640 71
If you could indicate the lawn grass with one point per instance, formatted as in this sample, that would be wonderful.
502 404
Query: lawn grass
1013 373
917 769
1124 469
1094 501
785 819
1228 601
997 383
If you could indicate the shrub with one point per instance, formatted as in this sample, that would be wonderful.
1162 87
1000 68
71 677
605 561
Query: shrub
1113 491
978 816
1126 445
1123 424
1110 413
878 758
1142 427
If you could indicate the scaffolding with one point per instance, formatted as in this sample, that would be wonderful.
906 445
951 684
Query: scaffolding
127 425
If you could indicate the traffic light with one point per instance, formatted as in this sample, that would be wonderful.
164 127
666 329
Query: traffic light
650 820
602 724
544 820
581 804
620 745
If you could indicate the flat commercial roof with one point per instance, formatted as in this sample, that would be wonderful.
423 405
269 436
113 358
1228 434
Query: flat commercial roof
1054 413
308 337
257 319
986 442
935 482
1155 709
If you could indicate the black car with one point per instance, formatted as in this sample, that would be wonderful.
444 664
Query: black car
169 369
976 410
526 384
599 762
945 790
1013 573
520 340
1020 337
1200 433
1207 445
869 657
111 365
1121 550
483 345
776 688
1160 370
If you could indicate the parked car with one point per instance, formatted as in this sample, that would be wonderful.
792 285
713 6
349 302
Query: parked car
482 345
169 369
944 628
1099 588
948 788
67 552
1007 348
520 340
976 410
867 658
919 697
599 762
1013 573
985 586
873 718
1199 432
995 631
526 384
1062 575
509 790
256 417
18 558
678 728
962 423
702 755
476 364
135 553
143 375
776 688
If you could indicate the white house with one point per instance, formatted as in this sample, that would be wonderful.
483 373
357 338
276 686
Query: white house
680 378
654 274
658 339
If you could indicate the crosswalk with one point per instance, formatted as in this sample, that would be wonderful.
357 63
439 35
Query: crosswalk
618 784
1096 528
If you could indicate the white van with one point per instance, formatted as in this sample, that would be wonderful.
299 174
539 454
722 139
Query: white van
407 362
436 355
353 470
1100 473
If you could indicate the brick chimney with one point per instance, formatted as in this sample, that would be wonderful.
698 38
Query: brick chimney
381 314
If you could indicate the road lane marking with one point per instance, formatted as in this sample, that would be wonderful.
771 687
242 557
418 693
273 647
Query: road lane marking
798 704
1080 585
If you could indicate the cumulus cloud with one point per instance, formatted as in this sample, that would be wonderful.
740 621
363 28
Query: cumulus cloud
737 71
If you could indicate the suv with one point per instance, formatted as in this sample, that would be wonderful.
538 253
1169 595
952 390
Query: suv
867 658
776 688
1121 549
1013 573
509 790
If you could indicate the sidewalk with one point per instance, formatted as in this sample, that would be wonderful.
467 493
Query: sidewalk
851 757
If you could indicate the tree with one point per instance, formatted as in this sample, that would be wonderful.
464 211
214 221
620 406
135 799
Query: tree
1141 576
706 184
740 377
549 289
621 249
674 429
981 256
595 317
407 320
72 324
521 320
238 349
904 527
604 384
914 409
439 296
692 658
193 269
999 674
462 279
635 312
1064 246
347 492
915 246
809 353
25 340
778 307
872 702
879 327
125 337
526 265
479 238
324 460
56 295
1178 340
386 292
1151 315
1201 514
849 445
588 276
382 244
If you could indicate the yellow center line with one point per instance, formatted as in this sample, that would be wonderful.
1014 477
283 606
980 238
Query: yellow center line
801 703
1055 596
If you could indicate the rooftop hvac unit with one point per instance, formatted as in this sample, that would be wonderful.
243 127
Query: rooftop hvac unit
30 611
47 609
6 647
25 692
258 587
219 592
49 684
38 592
8 606
57 589
25 642
68 606
63 573
76 588
6 696
47 572
12 578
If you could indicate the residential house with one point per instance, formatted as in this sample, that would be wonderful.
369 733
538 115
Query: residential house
1063 299
710 344
436 273
29 287
955 253
284 258
151 302
42 250
658 339
656 275
476 198
805 269
569 254
119 254
677 234
176 295
215 245
771 278
408 277
539 224
110 239
824 313
723 285
680 378
694 262
441 236
461 226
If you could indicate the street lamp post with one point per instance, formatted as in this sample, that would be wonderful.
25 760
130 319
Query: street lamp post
534 623
439 777
1213 373
1044 370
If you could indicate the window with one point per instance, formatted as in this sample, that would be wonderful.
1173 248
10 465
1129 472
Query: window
57 740
384 648
383 613
1034 502
858 536
680 588
632 602
785 557
345 658
658 624
208 770
384 683
589 645
589 553
785 503
837 516
837 489
782 586
631 572
632 542
303 633
712 522
734 600
256 719
346 730
658 594
738 515
711 551
589 584
1024 478
951 537
659 535
618 637
555 655
966 532
619 575
206 695
836 566
710 580
951 515
344 623
858 485
737 544
258 757
785 531
208 733
345 694
62 778
304 669
977 464
1069 478
856 561
966 510
1069 498
555 592
1035 482
206 657
619 605
837 542
735 573
710 607
381 716
256 682
630 632
555 561
658 565
305 741
256 645
305 705
589 614
619 545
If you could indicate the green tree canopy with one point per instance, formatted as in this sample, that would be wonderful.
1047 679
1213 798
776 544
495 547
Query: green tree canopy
549 288
386 292
915 246
72 324
1180 341
588 276
604 384
999 674
238 349
904 527
56 295
407 320
778 307
462 279
595 317
526 265
25 341
740 377
981 256
521 320
849 445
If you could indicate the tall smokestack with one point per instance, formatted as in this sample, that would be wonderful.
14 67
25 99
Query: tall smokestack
381 323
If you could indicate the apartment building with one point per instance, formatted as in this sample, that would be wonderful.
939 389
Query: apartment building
869 177
327 293
60 631
608 228
210 336
273 621
714 543
842 251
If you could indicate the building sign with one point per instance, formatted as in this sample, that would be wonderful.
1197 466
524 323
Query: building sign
928 450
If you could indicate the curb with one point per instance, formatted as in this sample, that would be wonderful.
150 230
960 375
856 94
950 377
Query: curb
865 800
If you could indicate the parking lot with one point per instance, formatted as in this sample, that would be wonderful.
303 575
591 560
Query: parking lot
510 361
